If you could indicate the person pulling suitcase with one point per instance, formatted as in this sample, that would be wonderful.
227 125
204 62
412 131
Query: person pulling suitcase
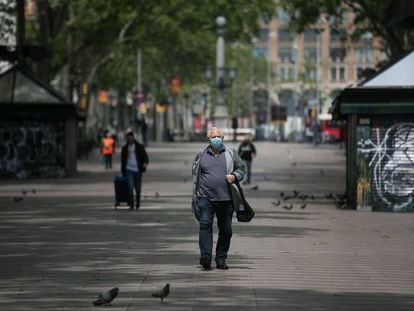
134 162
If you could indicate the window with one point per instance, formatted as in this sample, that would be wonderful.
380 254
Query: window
263 35
284 35
337 54
341 74
337 35
310 74
311 53
283 16
260 52
363 55
282 74
286 73
333 74
291 73
310 36
285 54
338 74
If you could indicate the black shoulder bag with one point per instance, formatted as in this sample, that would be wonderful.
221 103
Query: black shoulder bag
247 214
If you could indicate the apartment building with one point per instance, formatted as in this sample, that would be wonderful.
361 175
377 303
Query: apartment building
308 70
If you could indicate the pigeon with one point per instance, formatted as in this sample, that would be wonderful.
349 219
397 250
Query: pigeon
23 192
282 194
107 297
288 207
157 195
255 187
17 199
34 191
276 203
303 196
162 293
303 206
288 198
329 195
295 193
312 197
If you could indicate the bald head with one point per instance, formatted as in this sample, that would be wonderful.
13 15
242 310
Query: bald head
214 132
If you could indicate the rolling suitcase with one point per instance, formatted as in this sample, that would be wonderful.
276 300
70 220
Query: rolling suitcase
121 190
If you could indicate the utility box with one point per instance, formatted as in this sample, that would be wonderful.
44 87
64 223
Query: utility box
38 128
379 115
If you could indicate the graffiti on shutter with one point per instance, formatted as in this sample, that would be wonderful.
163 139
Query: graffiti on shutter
388 154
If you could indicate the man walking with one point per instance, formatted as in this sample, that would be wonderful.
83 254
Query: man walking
134 162
214 169
247 152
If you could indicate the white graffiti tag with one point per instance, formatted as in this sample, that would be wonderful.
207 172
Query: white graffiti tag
392 160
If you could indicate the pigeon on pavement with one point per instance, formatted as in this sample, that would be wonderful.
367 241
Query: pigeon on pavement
17 199
34 191
288 207
276 203
157 195
303 206
107 297
162 293
255 187
23 192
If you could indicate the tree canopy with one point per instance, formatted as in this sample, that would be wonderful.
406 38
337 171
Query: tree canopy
177 37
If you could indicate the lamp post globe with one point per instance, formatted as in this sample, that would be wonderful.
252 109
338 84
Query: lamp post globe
220 21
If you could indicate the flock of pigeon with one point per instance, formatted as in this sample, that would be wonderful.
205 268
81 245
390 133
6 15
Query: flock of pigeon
24 192
105 299
339 199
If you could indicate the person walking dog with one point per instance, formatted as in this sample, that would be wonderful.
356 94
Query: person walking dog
214 169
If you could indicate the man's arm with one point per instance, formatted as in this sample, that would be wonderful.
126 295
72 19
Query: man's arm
239 168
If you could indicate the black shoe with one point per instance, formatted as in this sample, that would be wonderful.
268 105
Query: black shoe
205 262
222 266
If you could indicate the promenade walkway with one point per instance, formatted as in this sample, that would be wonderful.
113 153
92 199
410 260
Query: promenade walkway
65 243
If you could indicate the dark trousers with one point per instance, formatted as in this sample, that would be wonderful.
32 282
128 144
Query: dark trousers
248 163
224 213
108 160
134 182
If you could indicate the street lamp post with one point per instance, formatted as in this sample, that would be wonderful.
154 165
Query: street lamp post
318 73
220 111
296 89
269 82
220 117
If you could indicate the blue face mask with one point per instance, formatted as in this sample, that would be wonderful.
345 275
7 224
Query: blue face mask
216 142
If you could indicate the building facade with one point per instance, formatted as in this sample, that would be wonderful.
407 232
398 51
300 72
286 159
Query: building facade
308 70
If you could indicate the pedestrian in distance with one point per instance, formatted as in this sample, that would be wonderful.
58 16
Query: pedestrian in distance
107 149
134 162
234 126
247 152
214 169
144 131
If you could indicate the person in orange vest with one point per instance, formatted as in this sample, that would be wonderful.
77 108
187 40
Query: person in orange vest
107 150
